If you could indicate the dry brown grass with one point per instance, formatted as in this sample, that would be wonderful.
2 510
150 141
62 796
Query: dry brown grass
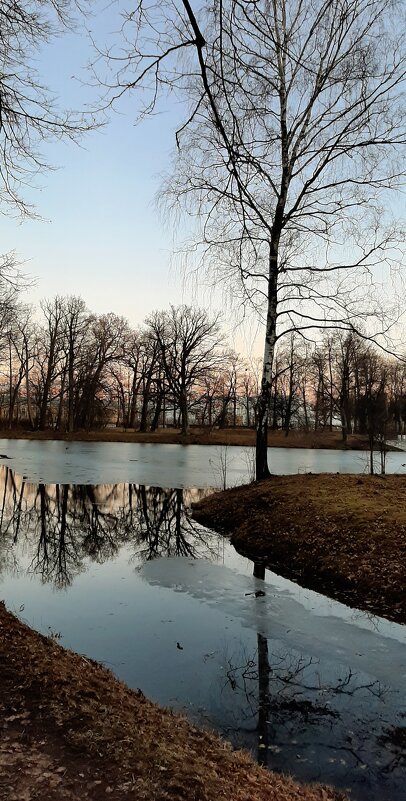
107 741
340 534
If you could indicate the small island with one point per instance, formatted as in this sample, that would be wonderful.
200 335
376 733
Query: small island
343 535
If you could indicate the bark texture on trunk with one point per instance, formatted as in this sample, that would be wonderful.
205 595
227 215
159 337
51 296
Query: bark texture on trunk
261 452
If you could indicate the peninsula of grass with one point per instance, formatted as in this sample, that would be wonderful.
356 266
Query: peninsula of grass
71 730
201 435
342 535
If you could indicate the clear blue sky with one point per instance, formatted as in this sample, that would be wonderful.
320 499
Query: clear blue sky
101 236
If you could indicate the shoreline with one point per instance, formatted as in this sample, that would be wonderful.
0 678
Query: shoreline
341 535
243 437
72 730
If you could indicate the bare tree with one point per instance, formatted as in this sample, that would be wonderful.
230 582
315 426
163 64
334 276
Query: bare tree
76 320
20 336
104 345
51 351
29 116
291 146
187 340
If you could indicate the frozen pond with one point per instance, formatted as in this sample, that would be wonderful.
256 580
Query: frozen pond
121 573
171 465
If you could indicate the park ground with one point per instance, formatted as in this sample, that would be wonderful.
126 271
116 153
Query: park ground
242 436
342 535
71 732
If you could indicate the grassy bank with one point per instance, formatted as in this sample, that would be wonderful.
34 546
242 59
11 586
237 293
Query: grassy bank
71 731
202 436
342 535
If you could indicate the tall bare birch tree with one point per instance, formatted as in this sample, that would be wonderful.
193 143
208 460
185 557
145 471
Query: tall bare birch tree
292 145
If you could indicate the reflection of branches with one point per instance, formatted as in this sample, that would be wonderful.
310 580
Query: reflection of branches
57 557
287 673
165 527
268 692
69 523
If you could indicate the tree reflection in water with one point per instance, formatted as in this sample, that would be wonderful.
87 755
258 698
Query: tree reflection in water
288 707
324 719
63 525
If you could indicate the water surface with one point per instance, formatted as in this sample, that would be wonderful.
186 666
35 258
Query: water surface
120 572
171 465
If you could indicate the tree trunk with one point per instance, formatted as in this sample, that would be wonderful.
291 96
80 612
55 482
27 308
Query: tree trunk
157 412
133 406
71 391
184 412
27 389
261 452
59 418
10 388
145 403
344 427
47 386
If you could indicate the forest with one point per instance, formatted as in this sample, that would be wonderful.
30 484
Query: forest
67 369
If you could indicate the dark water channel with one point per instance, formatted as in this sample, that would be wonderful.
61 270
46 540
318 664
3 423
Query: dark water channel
121 573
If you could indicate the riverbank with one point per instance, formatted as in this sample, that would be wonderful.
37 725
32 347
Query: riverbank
71 730
202 436
342 535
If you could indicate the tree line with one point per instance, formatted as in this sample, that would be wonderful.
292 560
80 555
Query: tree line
289 160
72 370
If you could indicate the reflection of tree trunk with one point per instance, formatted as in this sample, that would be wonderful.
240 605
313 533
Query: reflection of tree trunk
264 704
4 496
18 512
178 518
62 571
43 517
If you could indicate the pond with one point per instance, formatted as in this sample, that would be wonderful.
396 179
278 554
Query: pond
121 573
172 465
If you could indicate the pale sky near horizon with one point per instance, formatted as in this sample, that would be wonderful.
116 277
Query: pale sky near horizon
100 235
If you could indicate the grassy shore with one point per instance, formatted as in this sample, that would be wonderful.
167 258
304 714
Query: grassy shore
342 535
71 731
202 436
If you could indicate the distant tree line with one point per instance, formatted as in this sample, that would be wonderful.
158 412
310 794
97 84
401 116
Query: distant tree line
74 370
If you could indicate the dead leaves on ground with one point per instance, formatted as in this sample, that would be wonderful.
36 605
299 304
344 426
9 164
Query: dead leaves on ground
141 751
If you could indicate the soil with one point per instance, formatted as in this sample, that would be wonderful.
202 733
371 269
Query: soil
342 535
242 436
72 732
